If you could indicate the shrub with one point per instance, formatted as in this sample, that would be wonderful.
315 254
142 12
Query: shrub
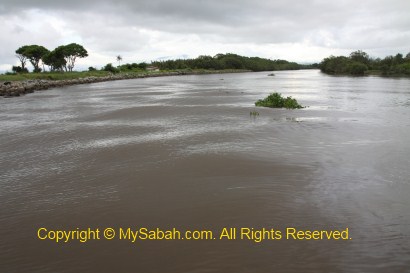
18 69
275 100
110 68
403 69
357 68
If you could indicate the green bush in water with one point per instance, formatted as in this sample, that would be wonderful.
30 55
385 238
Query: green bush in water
275 100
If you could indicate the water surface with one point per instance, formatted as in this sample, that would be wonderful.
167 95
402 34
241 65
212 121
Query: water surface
184 152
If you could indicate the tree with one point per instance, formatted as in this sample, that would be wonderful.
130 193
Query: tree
71 52
21 55
360 56
142 65
232 61
342 65
34 53
18 69
398 59
55 59
110 68
119 59
227 61
357 69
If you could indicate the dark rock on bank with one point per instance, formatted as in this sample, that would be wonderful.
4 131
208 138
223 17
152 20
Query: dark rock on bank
14 89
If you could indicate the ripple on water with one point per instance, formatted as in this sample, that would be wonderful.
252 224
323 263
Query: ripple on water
184 152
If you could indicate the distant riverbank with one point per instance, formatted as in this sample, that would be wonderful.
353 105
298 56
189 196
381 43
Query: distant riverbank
20 84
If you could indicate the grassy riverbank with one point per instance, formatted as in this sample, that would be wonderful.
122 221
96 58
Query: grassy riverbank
53 76
59 76
20 84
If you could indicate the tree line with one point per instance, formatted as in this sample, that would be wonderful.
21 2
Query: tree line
359 63
62 58
227 61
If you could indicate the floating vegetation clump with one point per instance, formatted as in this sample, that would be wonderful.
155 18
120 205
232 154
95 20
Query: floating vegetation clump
254 113
275 100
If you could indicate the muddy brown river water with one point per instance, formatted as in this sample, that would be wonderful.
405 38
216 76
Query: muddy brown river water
183 152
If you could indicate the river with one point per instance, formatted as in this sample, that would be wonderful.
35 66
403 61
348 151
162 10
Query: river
184 152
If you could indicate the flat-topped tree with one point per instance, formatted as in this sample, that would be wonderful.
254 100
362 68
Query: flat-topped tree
33 53
55 59
71 52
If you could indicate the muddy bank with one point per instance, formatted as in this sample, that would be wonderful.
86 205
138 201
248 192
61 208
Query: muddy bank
17 88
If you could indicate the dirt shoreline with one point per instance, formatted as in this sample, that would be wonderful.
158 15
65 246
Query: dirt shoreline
10 89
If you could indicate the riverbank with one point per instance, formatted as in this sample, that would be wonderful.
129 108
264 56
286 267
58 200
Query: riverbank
377 73
17 85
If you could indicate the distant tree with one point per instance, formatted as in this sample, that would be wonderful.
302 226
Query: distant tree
360 56
356 68
91 68
110 68
358 63
227 61
231 61
335 65
22 56
386 64
142 65
119 59
34 53
19 69
55 59
71 52
398 59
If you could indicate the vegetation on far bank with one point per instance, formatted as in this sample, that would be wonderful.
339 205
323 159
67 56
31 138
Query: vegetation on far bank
59 64
359 64
276 100
229 61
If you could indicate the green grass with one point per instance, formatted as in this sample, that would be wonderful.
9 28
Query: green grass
98 73
53 75
275 100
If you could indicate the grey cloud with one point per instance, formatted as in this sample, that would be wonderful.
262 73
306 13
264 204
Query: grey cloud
227 17
128 25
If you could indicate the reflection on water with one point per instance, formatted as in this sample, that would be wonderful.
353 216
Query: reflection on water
183 152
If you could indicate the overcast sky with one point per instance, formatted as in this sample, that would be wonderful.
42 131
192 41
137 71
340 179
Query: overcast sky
139 30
